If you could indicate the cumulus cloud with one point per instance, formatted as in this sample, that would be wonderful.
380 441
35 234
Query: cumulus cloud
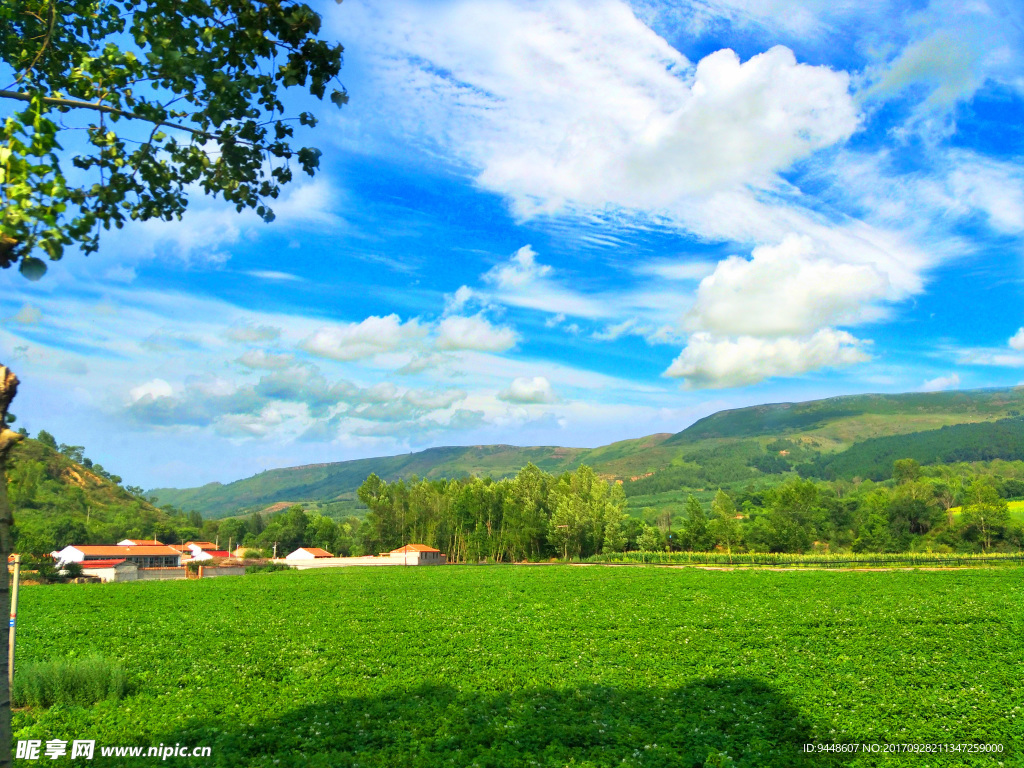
259 359
940 383
583 104
239 409
372 336
526 390
521 271
422 362
474 333
788 289
151 389
247 332
1017 340
458 300
710 363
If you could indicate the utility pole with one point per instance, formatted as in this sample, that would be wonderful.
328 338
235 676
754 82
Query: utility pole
275 550
14 618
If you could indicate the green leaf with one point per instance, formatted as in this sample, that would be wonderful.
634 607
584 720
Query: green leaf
340 98
32 268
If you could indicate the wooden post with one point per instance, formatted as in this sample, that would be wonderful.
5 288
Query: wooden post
200 571
14 619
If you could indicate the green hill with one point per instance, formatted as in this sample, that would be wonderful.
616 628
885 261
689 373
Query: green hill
873 459
727 448
58 500
841 421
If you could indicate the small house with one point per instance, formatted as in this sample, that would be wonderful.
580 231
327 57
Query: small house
116 569
143 556
418 554
139 543
205 546
198 555
308 553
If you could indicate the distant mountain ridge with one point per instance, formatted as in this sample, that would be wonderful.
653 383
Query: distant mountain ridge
738 436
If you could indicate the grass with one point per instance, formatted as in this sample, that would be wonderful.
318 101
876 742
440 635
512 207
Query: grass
509 666
69 682
1016 511
815 559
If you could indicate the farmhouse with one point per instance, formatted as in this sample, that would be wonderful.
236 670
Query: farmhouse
308 553
111 570
205 546
139 543
417 554
144 556
198 555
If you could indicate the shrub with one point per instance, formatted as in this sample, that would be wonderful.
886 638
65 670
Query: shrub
69 681
267 568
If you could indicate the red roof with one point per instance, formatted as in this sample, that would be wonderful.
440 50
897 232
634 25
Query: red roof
101 563
206 546
413 548
118 551
317 552
144 543
218 553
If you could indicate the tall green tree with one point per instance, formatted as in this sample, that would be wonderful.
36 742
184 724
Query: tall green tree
725 527
985 511
695 535
160 97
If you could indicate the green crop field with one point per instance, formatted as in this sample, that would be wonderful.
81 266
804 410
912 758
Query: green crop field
500 666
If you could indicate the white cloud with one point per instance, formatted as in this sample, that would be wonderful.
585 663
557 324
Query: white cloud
120 274
248 332
269 274
529 390
474 333
1017 340
614 332
458 300
712 363
523 282
27 315
260 359
992 187
943 61
568 103
151 389
422 362
555 320
372 336
788 289
940 383
521 271
677 270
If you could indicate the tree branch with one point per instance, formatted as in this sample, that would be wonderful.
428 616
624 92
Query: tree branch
106 109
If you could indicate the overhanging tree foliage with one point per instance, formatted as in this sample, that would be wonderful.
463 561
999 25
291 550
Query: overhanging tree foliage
119 108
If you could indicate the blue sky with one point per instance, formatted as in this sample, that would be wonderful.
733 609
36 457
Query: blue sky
563 223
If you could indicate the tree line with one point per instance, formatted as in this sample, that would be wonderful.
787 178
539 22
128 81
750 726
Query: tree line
536 515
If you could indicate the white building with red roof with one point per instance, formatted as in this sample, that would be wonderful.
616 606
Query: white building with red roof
116 569
417 554
308 553
139 543
145 556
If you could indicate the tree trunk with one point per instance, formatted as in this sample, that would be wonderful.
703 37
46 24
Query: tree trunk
8 388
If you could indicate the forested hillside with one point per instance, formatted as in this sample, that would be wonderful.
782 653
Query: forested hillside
59 497
730 448
873 459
